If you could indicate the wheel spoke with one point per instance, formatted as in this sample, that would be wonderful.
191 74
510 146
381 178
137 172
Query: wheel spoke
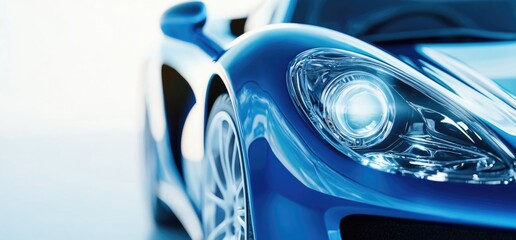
240 187
238 235
224 159
240 212
215 172
221 144
221 139
220 229
234 159
241 221
213 198
243 229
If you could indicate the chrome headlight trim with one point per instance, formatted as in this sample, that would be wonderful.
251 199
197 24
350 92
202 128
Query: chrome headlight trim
426 135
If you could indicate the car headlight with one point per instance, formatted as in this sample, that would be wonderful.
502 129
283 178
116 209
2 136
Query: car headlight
388 120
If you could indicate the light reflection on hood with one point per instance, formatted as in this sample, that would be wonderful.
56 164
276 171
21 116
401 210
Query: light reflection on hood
482 76
496 61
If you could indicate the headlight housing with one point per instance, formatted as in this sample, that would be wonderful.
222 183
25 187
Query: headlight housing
386 119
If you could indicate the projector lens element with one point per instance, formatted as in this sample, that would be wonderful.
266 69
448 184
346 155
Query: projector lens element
361 107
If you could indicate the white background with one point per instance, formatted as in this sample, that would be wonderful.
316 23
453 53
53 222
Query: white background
71 116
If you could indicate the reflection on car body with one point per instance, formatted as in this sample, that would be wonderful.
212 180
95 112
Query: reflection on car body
335 119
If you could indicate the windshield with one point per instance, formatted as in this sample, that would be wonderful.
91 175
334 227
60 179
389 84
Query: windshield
384 20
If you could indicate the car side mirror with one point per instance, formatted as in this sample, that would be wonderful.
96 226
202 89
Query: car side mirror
185 22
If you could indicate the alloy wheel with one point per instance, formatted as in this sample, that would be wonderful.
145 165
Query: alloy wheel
224 204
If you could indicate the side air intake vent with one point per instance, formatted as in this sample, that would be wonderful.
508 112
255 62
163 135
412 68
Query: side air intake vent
359 227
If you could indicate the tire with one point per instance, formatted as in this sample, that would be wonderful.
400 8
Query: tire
161 213
225 204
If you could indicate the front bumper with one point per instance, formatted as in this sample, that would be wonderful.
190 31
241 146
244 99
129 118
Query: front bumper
284 207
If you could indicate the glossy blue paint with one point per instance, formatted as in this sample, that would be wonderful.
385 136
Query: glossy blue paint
494 60
185 22
274 132
300 186
500 83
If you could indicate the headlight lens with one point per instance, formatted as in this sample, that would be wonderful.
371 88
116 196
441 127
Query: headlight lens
362 108
385 119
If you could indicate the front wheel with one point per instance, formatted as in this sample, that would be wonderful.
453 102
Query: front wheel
225 211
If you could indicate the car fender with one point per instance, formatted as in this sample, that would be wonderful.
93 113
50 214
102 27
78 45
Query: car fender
254 70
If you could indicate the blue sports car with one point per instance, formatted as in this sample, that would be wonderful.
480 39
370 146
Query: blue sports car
335 119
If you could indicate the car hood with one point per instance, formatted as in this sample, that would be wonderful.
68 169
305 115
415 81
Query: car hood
482 75
496 62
